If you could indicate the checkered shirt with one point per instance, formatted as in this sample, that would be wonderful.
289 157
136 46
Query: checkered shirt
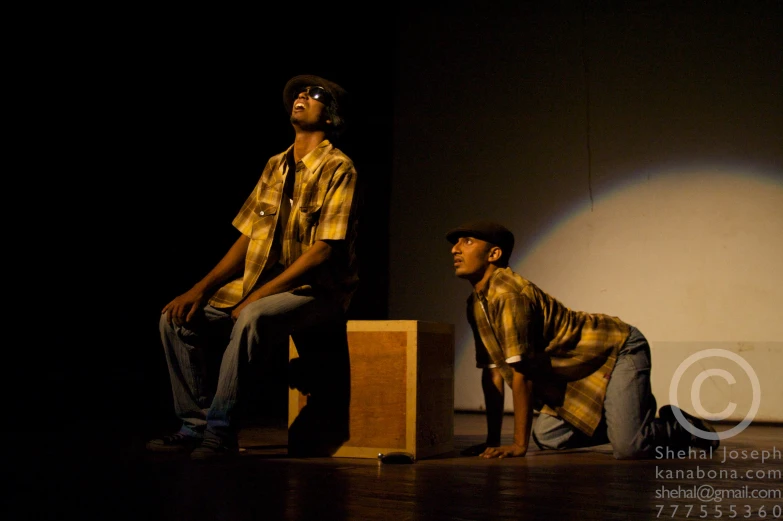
569 355
323 208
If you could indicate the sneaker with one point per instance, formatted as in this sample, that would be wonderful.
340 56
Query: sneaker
213 448
175 443
667 413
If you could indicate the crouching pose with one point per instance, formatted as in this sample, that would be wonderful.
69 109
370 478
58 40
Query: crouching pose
588 374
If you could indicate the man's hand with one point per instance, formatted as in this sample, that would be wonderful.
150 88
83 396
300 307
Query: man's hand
504 451
239 307
182 308
476 450
297 274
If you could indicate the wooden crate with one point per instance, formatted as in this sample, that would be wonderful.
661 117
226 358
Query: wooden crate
401 389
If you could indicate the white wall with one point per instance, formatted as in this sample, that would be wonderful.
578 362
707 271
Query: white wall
636 156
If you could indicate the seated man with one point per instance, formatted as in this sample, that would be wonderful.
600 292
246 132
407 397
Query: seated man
291 271
588 374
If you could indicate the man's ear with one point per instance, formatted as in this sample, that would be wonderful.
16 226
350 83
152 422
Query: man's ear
495 253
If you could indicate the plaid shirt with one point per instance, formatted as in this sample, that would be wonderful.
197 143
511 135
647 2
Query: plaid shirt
323 208
569 355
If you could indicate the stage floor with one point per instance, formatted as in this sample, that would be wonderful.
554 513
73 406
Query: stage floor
92 475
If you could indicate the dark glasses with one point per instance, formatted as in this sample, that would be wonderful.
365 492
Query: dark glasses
317 93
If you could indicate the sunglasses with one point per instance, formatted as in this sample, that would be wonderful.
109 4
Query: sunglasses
317 93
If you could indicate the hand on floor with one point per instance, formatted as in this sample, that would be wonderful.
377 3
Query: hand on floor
504 451
475 450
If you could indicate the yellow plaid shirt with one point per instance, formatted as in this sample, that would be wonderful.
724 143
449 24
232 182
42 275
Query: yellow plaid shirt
323 208
569 355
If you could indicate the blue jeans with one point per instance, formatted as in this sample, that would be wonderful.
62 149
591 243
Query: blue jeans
629 421
209 409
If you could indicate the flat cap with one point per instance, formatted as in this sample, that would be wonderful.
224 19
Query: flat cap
489 231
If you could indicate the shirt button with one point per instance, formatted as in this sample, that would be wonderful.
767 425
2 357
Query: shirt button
261 212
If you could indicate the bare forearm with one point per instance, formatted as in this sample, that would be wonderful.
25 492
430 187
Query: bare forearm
232 263
494 400
298 273
522 391
183 307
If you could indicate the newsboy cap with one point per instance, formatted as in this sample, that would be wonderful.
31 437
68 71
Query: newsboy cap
489 231
298 83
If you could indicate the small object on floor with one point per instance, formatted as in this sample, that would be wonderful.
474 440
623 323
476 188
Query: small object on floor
396 457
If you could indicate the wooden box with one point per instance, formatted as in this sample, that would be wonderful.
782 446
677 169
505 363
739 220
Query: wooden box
401 389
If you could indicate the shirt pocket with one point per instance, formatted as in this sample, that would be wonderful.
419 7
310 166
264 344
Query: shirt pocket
265 216
309 217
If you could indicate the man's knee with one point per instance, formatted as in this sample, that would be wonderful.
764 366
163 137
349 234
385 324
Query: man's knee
166 327
269 314
544 443
550 433
258 316
246 320
625 449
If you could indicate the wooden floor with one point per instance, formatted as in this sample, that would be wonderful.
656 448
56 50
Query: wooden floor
89 474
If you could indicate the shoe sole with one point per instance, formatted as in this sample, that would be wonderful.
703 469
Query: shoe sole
153 447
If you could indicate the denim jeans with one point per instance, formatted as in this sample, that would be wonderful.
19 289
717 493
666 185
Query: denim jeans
208 408
629 421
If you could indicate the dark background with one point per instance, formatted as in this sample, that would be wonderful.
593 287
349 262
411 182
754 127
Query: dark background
159 125
141 133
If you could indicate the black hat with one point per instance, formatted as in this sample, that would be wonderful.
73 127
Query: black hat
489 231
297 84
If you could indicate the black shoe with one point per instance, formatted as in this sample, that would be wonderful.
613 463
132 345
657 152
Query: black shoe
212 448
694 440
175 443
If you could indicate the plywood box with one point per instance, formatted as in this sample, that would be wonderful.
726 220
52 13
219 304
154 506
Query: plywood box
401 389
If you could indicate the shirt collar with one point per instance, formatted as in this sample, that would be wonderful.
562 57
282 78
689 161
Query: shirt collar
485 292
314 158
